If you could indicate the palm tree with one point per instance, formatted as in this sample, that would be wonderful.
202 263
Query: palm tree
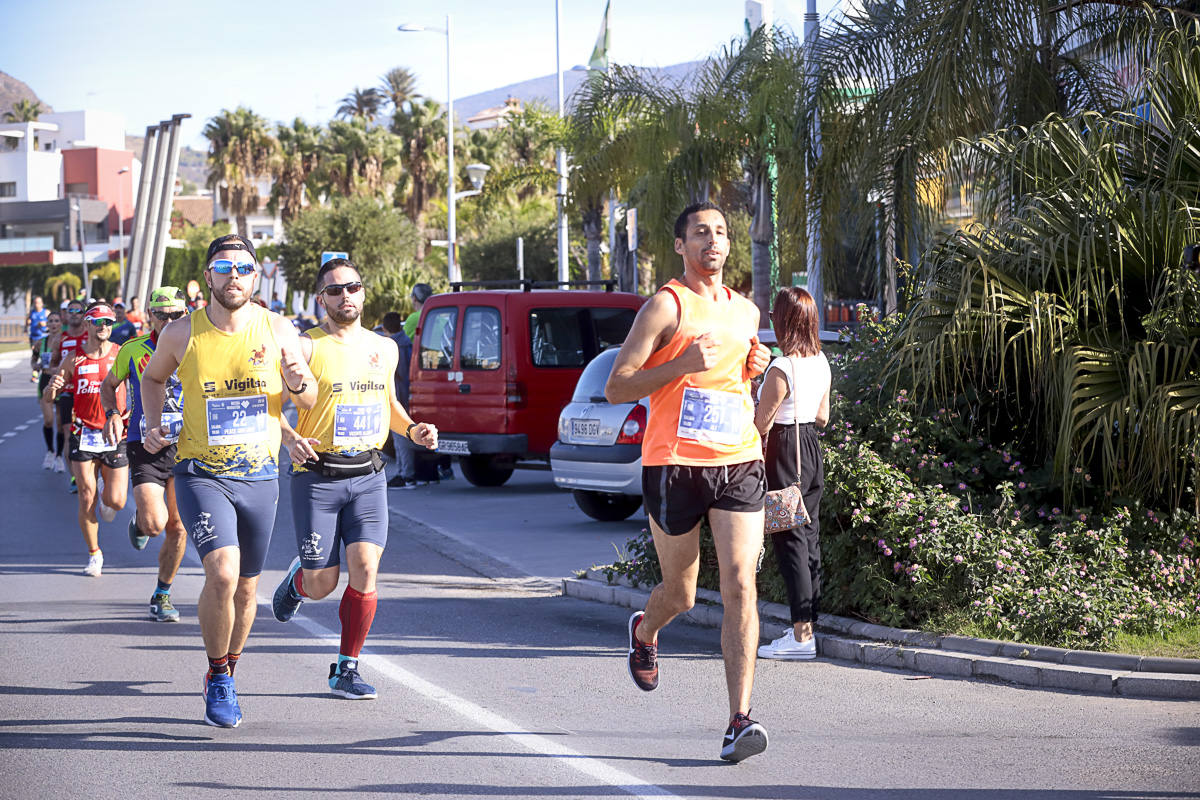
399 88
299 158
1068 319
422 132
358 159
361 104
24 111
241 150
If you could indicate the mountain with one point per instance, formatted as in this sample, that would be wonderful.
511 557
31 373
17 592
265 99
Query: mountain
544 89
12 90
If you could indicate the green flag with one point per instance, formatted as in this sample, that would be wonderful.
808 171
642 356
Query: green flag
599 59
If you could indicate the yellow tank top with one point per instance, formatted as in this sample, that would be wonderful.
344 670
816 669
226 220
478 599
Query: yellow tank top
705 419
354 394
234 394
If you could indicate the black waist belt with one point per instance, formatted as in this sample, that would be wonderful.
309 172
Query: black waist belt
332 465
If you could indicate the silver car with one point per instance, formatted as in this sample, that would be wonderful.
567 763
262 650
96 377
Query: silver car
598 455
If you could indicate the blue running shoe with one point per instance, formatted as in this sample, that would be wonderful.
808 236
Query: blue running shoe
286 602
71 487
221 707
136 537
347 683
162 609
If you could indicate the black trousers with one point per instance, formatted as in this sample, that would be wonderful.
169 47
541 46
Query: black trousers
798 550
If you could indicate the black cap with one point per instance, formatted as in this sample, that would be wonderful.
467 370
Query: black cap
230 242
422 292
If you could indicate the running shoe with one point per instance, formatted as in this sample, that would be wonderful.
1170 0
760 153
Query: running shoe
71 487
786 648
347 683
221 709
95 565
286 602
445 473
743 738
643 658
105 513
48 461
161 608
136 537
59 464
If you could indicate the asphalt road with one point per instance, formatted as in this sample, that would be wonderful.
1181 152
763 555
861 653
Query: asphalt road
491 685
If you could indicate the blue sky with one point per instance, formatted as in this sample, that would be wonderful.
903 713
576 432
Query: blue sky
148 59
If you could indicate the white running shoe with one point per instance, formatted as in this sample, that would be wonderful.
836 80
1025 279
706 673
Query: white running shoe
94 565
59 464
48 461
786 648
102 511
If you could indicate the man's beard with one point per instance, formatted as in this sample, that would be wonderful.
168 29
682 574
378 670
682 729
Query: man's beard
230 305
343 317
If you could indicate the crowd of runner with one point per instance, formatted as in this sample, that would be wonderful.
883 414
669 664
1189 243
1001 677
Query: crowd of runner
187 401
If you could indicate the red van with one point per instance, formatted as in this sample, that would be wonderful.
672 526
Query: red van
493 368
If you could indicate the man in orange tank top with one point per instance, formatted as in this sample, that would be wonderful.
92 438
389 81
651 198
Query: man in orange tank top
693 349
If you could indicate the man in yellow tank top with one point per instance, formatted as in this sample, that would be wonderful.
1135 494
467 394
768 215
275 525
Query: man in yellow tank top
339 491
693 349
234 360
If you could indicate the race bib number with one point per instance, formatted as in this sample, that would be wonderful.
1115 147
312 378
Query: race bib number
707 415
92 441
44 359
236 420
356 424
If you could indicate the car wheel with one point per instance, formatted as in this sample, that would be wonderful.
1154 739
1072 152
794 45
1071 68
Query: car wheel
606 507
485 470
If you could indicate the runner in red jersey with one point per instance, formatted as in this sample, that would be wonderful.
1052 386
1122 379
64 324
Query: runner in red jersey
92 454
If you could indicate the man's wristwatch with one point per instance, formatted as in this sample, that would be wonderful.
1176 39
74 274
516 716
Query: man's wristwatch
110 412
408 431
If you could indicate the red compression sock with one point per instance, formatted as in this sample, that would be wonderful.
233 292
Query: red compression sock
298 583
356 612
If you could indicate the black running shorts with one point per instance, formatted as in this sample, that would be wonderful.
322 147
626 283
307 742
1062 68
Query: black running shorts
678 497
66 408
113 459
156 468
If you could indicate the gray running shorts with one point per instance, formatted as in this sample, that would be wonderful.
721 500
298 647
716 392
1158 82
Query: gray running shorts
224 512
333 512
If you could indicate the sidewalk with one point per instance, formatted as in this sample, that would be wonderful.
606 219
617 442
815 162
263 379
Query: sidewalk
945 655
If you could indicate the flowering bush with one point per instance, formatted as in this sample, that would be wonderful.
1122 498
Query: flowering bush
925 525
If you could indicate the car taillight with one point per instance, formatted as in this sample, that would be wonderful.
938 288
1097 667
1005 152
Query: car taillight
634 427
514 392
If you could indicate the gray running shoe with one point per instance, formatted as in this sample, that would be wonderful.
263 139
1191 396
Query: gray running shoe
161 608
347 683
136 537
286 602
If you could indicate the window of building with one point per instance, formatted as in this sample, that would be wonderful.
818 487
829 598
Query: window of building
8 189
437 338
77 188
481 338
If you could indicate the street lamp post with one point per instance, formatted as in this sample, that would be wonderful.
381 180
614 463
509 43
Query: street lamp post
121 225
560 156
612 194
87 279
451 238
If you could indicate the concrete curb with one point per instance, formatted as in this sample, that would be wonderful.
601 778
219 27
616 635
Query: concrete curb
930 654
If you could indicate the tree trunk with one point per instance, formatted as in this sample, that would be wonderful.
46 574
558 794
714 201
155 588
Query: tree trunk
593 233
241 226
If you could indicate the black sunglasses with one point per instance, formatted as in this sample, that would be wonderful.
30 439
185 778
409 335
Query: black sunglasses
169 316
335 289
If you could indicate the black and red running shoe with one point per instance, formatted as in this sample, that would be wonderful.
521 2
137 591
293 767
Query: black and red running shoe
743 738
643 658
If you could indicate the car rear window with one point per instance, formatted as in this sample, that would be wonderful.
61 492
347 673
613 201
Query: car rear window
481 338
437 338
590 388
571 337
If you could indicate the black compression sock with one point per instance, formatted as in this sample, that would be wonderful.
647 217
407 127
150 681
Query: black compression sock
48 435
58 443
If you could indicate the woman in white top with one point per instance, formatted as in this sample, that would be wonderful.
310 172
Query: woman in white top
792 402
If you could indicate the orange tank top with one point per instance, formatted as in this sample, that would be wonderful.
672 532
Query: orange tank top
705 419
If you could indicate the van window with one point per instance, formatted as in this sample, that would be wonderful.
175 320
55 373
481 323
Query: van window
481 338
571 337
437 338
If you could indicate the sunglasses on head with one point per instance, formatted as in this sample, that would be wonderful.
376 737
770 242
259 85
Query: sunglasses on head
101 322
335 289
224 266
169 316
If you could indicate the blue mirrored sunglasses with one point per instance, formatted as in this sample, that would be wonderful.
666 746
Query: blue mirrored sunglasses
224 266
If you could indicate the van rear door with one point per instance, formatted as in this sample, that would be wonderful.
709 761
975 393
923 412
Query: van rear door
434 386
481 377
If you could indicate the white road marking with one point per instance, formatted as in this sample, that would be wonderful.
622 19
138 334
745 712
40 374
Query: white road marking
32 421
591 767
10 433
21 427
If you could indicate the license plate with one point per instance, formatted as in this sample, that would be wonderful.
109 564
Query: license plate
453 447
585 428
